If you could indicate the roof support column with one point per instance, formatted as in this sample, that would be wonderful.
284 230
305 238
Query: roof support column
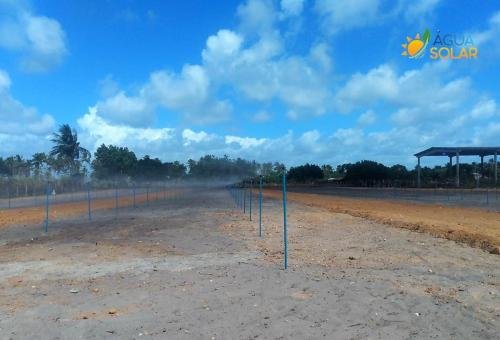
458 169
482 166
418 172
449 172
496 168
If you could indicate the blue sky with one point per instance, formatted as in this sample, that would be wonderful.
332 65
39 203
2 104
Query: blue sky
292 80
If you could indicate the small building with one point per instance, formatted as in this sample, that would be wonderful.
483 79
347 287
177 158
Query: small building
456 152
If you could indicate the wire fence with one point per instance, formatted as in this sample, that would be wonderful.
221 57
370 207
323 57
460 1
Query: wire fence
243 197
85 204
52 206
488 198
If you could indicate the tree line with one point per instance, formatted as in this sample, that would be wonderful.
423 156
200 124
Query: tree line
69 160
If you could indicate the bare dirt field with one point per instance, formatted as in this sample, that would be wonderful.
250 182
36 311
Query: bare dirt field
484 198
36 214
475 227
194 267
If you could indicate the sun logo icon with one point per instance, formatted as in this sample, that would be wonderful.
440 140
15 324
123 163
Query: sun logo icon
415 47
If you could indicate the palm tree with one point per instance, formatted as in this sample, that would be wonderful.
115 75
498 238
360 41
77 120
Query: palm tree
68 149
37 161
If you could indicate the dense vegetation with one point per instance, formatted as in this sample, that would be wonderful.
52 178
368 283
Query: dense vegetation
69 163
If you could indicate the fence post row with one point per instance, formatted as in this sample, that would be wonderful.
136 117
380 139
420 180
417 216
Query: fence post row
47 189
250 203
285 229
260 206
88 200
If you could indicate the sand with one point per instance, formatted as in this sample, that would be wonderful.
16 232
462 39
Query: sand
194 267
475 227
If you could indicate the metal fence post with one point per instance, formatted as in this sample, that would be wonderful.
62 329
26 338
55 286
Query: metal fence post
285 229
116 199
47 207
147 195
260 207
88 199
244 201
250 203
133 193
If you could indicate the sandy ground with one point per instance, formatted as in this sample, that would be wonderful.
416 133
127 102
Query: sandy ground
194 268
475 227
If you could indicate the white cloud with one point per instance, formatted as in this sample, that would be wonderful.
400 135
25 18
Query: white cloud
257 16
367 118
338 15
485 108
341 15
187 93
491 33
262 117
291 8
245 142
255 65
261 74
189 136
97 130
4 80
377 84
121 108
39 40
349 137
418 96
222 46
108 86
19 123
426 106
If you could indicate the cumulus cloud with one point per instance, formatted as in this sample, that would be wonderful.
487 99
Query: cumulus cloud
341 15
422 106
19 123
245 142
257 16
97 130
418 96
261 73
188 93
40 40
485 108
191 137
367 118
338 15
251 60
291 8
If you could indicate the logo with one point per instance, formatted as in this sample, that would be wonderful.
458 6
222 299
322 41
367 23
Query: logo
443 46
415 48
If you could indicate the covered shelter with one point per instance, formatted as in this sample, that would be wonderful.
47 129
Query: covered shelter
457 152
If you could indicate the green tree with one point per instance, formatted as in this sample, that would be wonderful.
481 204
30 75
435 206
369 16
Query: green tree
366 173
150 169
174 169
68 149
327 171
37 162
113 161
305 173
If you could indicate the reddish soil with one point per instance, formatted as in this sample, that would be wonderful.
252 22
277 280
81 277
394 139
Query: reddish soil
33 215
475 227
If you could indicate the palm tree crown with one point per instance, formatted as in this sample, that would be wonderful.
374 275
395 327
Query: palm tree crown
68 148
